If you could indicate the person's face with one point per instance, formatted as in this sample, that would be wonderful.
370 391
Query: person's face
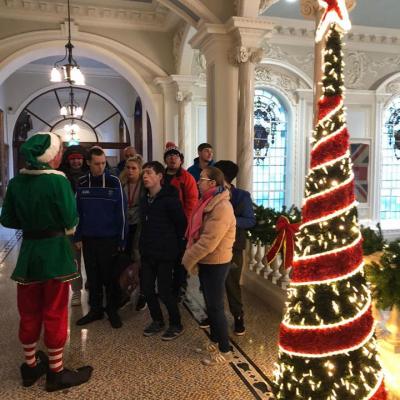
97 164
173 161
206 154
130 153
150 178
205 183
75 163
132 171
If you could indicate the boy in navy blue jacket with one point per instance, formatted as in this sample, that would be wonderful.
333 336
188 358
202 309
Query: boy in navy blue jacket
101 233
245 219
163 225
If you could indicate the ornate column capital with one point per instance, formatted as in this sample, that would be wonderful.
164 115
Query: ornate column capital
265 4
183 96
241 54
310 8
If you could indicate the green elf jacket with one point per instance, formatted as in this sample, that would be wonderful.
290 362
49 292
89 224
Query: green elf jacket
41 200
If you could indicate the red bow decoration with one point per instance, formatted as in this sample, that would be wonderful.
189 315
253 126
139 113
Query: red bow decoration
335 13
286 232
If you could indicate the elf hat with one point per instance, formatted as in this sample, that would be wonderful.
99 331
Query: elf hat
172 148
40 149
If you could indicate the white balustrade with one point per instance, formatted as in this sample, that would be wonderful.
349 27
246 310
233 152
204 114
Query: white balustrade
275 272
267 270
259 257
286 277
252 248
276 265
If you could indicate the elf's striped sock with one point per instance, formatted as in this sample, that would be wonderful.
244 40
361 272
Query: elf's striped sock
56 359
30 354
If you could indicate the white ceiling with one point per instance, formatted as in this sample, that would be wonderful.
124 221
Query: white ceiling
378 13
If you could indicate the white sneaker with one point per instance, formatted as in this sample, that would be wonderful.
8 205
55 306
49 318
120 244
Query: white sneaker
206 348
217 358
76 298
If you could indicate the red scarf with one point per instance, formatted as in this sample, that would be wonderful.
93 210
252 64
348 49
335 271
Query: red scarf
196 220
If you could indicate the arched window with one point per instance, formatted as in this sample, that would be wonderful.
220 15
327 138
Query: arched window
390 178
269 150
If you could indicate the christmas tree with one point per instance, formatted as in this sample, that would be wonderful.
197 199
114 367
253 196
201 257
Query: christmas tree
327 347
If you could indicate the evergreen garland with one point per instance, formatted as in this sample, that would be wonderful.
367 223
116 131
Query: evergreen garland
385 277
373 240
264 231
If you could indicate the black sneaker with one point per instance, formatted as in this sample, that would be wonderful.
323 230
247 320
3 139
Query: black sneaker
172 332
31 374
204 324
90 317
67 378
115 320
141 303
239 329
154 328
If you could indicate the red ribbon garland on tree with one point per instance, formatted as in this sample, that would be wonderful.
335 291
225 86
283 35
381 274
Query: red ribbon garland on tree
286 232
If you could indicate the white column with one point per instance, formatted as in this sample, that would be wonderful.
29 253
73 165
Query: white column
245 58
170 109
183 100
214 41
177 90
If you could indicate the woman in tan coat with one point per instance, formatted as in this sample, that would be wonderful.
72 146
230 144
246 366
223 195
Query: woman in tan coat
210 234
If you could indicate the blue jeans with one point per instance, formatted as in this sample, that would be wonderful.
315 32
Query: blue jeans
212 279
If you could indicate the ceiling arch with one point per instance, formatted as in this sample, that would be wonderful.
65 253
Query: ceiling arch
25 48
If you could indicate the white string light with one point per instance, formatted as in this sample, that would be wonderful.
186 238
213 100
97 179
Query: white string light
331 189
330 216
334 325
329 137
335 251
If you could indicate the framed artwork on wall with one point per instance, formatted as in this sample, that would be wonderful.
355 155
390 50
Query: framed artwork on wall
360 155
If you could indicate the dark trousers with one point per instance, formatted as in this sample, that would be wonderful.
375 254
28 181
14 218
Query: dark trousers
161 272
130 251
232 284
212 280
179 279
76 284
99 255
130 237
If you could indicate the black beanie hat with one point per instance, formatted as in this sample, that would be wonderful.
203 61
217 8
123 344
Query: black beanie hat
228 168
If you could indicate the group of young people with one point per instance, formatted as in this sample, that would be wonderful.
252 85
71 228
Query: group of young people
173 221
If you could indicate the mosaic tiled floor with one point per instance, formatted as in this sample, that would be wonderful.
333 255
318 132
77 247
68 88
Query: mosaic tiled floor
129 366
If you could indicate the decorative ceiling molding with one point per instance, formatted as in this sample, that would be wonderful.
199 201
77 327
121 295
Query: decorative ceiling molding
295 30
393 87
177 44
153 19
265 75
265 4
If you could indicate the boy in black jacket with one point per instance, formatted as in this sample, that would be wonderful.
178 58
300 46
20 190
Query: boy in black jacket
163 225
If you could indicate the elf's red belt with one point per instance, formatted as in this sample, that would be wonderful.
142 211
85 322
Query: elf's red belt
37 235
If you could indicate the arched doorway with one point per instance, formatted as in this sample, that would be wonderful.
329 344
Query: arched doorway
100 122
124 60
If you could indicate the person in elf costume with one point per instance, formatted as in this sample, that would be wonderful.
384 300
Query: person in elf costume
40 201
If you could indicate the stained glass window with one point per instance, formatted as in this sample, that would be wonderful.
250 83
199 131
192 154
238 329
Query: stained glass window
390 172
269 150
